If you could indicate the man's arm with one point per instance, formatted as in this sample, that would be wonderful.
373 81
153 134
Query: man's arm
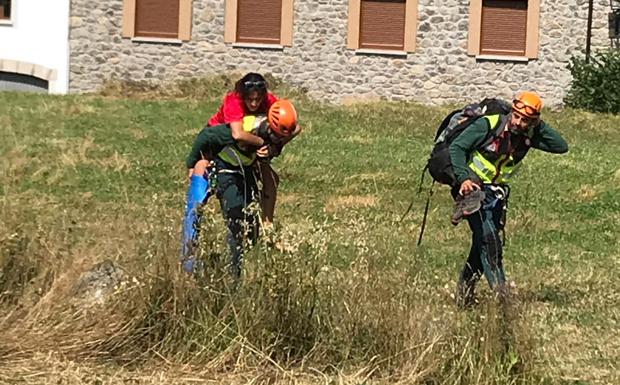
548 139
243 137
208 143
233 112
464 145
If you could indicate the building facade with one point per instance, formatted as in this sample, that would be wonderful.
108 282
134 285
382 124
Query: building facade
34 45
429 51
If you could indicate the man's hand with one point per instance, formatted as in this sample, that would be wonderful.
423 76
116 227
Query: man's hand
200 168
269 150
468 186
263 152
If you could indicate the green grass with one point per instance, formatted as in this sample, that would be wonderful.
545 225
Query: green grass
344 292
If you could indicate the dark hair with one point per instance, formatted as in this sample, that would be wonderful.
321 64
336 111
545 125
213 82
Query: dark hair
251 82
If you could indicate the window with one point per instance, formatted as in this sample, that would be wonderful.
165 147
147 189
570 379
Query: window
259 22
24 83
382 24
24 76
157 19
269 13
5 9
504 28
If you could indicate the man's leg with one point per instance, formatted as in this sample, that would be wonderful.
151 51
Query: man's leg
251 211
270 180
491 255
230 191
473 270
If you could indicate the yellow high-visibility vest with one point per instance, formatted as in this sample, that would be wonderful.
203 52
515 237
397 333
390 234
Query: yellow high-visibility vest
231 154
498 172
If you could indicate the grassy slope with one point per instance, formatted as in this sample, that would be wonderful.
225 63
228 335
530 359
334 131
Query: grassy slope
88 178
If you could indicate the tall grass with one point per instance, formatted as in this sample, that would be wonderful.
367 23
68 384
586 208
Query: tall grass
337 294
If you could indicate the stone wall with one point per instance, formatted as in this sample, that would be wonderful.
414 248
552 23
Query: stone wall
438 72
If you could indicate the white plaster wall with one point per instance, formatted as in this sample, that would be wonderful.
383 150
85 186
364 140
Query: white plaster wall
38 33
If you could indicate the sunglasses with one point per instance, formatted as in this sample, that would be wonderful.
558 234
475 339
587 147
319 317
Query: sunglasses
255 84
529 110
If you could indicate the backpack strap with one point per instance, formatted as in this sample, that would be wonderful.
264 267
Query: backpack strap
494 132
428 202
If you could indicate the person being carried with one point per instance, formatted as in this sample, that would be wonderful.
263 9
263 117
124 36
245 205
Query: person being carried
251 96
217 157
483 169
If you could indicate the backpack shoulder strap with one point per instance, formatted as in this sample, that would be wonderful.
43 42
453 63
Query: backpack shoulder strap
496 126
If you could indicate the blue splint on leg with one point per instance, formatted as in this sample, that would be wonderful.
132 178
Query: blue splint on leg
197 195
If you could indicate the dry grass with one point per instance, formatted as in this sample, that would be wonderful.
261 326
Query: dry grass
303 319
350 201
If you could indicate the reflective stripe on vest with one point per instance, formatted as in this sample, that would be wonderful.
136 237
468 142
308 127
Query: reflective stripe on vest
497 172
233 156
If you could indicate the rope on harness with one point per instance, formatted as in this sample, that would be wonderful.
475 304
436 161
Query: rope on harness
245 186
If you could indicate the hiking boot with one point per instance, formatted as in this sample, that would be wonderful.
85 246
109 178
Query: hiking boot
506 291
466 294
465 205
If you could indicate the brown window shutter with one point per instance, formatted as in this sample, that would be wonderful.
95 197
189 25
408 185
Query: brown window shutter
5 9
157 18
503 27
259 21
382 24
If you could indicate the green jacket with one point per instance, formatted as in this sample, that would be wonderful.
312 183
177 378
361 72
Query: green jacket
542 137
209 143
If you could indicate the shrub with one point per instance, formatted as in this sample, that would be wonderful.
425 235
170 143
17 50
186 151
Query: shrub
200 88
596 83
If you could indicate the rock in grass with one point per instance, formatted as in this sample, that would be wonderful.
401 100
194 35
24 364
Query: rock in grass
98 283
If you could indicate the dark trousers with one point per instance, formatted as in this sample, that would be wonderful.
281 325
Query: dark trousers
486 255
236 190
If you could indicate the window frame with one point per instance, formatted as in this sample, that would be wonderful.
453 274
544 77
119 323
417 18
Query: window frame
532 31
286 26
9 20
354 24
30 69
185 23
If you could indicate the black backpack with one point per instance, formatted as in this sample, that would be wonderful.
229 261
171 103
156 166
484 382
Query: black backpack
439 164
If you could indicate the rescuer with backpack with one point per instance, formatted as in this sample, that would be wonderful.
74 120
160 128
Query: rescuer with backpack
484 155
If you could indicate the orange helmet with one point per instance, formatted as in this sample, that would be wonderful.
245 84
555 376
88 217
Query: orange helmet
528 103
282 117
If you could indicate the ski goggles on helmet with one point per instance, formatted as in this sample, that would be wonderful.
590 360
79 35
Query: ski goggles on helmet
524 108
255 85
